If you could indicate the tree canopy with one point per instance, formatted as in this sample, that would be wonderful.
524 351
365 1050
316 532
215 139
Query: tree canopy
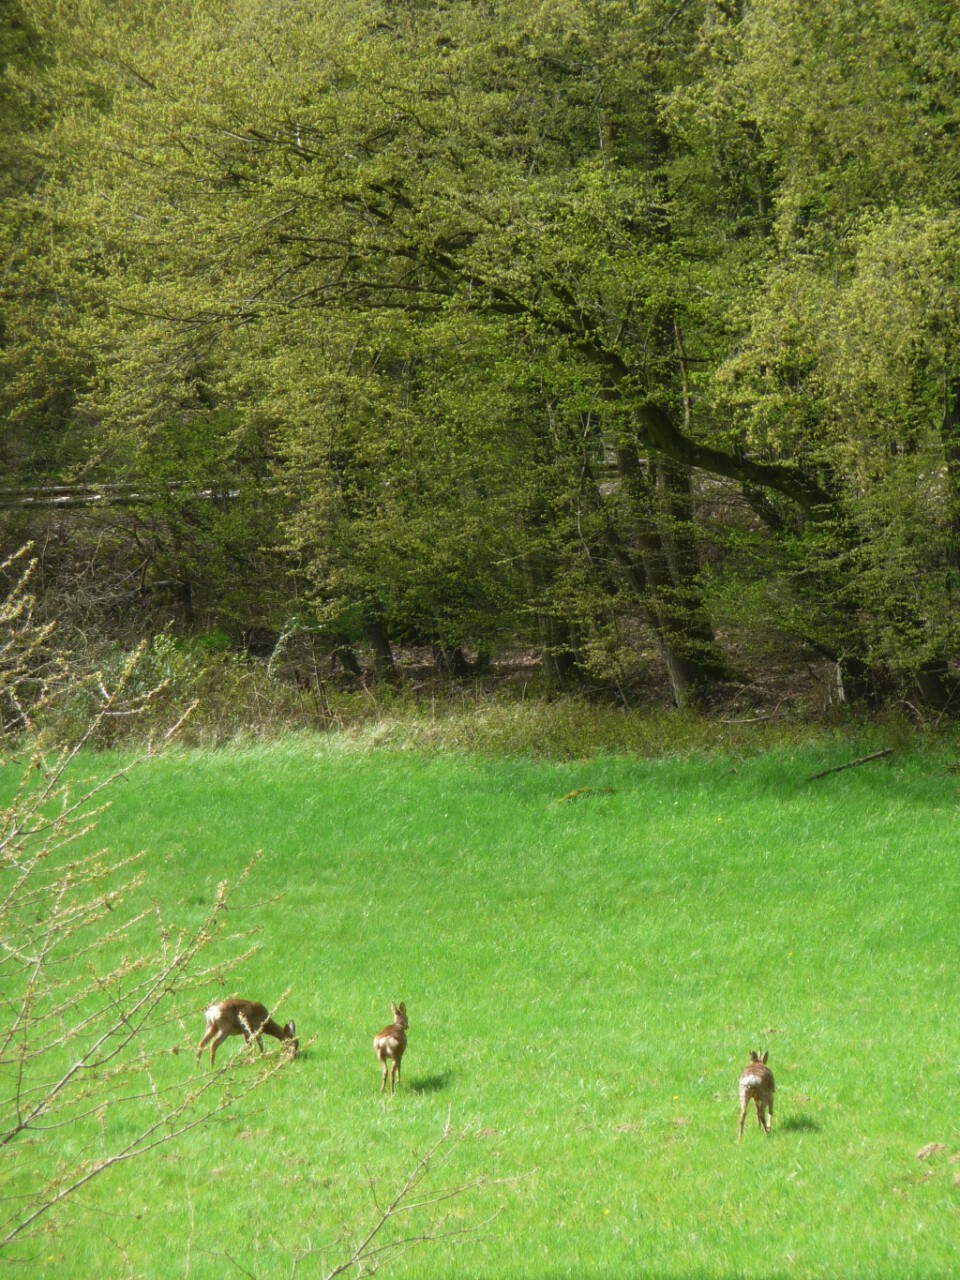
616 327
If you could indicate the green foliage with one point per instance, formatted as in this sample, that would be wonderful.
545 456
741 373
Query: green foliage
446 322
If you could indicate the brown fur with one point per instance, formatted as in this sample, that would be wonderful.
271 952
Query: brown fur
390 1044
756 1085
247 1018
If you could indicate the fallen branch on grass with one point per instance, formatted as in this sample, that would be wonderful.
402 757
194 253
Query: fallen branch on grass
852 764
588 791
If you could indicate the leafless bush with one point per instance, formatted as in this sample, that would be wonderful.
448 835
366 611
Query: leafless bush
91 971
29 666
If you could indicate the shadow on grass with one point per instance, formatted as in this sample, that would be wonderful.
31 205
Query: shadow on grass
431 1084
800 1124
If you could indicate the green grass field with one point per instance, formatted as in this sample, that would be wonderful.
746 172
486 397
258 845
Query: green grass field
584 980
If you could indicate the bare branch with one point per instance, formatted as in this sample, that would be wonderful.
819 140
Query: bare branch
80 985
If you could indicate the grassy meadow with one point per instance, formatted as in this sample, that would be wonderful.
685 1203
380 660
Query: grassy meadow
584 977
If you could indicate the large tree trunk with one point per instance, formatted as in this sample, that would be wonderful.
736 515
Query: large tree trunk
559 656
559 651
450 661
379 640
950 434
660 516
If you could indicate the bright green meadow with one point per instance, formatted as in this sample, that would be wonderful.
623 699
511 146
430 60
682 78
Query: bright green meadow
585 976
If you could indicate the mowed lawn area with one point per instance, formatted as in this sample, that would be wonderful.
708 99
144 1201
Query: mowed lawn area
585 975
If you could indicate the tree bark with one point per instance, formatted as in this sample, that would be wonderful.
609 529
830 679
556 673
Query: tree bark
559 652
950 434
450 662
662 525
379 639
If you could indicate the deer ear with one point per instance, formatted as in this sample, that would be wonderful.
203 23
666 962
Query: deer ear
754 1056
403 1007
292 1027
765 1056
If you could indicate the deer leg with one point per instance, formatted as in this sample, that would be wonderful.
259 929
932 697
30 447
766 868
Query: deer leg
383 1065
216 1045
743 1116
260 1043
210 1033
759 1106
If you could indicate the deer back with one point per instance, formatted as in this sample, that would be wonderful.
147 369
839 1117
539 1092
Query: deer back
756 1080
392 1040
238 1017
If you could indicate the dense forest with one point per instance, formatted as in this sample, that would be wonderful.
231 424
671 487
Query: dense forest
625 333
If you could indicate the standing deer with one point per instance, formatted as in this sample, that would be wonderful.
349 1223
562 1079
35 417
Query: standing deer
756 1085
247 1018
390 1044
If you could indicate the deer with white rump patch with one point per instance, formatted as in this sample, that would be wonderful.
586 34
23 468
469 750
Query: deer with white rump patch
247 1018
390 1044
756 1085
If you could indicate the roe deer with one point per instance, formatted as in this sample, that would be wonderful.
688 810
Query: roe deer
756 1085
390 1044
247 1018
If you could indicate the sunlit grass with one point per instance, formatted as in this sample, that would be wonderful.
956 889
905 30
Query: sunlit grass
584 979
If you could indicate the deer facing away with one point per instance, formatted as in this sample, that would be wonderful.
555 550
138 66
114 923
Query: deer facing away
247 1018
756 1085
390 1044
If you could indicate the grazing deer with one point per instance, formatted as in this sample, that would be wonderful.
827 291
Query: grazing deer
390 1044
756 1085
247 1018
